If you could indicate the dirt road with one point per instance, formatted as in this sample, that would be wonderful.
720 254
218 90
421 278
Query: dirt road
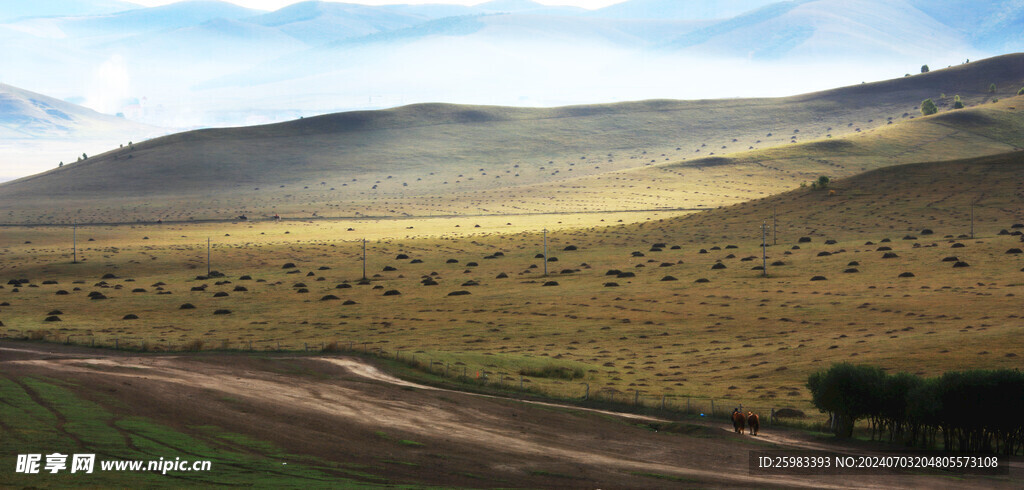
345 410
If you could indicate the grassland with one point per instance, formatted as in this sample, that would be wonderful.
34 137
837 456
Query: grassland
739 337
443 160
652 289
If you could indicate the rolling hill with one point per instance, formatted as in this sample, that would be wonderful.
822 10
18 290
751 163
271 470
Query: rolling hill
330 57
39 130
444 159
16 9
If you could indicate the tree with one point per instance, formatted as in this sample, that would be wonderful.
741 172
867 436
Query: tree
823 182
957 103
1021 91
992 88
85 157
61 164
924 68
928 107
848 392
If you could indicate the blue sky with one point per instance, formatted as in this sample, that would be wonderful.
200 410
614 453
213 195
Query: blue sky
276 4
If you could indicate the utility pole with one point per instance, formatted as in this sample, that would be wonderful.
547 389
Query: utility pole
74 243
207 256
545 252
764 249
364 259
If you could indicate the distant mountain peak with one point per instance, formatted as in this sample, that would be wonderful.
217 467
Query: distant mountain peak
510 5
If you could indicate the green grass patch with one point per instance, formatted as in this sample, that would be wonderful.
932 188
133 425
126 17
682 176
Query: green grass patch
42 417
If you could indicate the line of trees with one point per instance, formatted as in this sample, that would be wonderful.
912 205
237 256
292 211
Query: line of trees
972 411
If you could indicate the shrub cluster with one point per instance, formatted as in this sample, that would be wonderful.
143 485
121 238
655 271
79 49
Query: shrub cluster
974 411
552 371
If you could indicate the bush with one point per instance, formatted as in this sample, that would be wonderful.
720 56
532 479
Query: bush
992 88
1021 91
924 68
928 107
552 371
957 103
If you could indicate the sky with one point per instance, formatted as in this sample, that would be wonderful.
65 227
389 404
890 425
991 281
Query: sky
277 4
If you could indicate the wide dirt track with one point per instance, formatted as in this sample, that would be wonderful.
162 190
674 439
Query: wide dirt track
345 410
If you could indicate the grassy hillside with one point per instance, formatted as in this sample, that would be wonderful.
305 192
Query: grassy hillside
650 326
442 159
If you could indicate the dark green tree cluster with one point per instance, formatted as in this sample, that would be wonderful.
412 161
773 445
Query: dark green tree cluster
928 107
974 411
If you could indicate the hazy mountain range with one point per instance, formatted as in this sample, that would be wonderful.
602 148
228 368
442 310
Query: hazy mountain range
201 63
209 63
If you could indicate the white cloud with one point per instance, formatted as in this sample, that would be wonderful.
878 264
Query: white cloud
109 86
277 4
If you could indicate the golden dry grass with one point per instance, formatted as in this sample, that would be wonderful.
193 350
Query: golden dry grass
738 337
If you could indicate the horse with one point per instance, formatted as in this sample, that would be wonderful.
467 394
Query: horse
753 423
738 421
